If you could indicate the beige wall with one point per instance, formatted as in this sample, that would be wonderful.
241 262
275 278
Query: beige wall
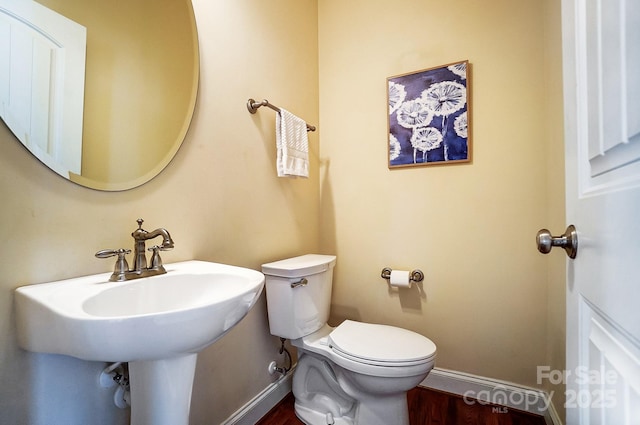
491 303
220 199
485 301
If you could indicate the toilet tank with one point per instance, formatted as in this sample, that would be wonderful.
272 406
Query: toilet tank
297 308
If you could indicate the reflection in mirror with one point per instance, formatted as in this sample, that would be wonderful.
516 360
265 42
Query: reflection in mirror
42 82
140 87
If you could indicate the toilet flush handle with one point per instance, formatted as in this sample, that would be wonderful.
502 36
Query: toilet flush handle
301 282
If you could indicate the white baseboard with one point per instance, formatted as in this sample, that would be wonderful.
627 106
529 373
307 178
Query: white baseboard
260 405
475 389
552 417
478 389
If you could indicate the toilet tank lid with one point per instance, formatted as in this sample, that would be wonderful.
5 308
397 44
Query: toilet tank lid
301 266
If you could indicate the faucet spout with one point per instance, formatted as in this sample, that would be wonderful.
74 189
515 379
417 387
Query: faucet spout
167 242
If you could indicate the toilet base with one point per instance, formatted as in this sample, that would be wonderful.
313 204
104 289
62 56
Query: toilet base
313 417
366 415
326 394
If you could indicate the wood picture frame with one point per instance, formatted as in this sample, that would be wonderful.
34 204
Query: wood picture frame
429 116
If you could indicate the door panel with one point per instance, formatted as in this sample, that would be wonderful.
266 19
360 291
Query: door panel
602 138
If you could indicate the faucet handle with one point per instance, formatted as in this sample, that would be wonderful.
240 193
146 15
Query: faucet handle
106 253
121 266
156 261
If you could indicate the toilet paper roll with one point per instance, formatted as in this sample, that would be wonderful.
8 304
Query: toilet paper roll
400 278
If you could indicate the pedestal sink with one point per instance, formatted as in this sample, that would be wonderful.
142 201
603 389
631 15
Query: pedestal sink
158 324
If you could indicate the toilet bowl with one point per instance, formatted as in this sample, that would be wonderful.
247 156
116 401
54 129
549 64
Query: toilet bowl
354 374
362 381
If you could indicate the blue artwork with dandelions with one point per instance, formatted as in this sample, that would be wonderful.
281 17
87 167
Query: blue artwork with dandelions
428 116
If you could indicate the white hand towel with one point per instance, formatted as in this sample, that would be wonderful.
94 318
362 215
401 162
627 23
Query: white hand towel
292 145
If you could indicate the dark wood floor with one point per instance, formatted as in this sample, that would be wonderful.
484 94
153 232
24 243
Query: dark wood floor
428 407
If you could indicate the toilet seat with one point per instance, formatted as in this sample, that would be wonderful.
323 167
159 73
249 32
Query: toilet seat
319 344
380 345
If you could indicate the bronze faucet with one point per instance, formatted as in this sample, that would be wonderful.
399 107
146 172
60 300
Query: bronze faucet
121 271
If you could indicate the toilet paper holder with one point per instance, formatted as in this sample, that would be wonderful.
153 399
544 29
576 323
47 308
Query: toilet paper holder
415 276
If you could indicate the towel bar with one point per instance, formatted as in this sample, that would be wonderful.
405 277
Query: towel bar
253 106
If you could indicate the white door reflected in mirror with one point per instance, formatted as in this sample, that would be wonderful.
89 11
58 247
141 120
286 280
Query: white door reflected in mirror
42 69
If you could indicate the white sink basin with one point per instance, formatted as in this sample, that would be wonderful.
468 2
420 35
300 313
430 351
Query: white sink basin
157 317
157 324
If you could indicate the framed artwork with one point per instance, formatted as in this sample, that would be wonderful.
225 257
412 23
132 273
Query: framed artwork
429 116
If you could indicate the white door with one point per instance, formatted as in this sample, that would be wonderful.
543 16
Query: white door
601 49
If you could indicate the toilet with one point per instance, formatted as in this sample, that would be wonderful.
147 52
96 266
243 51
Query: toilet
354 374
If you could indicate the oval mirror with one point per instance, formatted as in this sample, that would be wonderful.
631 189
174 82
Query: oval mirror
140 87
